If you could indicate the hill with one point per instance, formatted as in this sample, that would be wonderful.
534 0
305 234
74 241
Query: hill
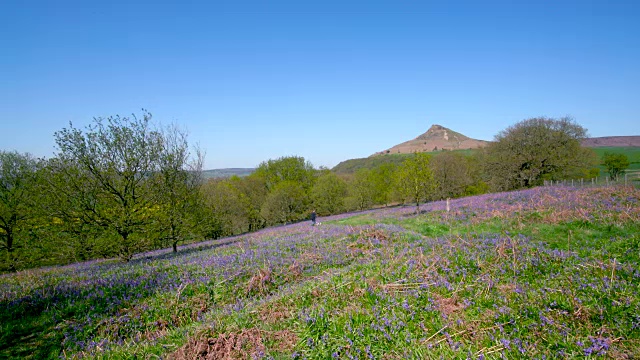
225 173
352 165
436 138
612 141
439 138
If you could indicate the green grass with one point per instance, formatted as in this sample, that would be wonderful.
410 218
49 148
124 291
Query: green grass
633 153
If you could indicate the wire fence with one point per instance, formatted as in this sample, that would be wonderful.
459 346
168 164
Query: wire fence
628 178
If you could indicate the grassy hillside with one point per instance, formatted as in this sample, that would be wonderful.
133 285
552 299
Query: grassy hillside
543 273
353 165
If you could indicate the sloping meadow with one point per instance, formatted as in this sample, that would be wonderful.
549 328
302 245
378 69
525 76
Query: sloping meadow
549 272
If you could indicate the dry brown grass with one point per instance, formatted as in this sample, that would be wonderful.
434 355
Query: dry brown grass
449 305
275 312
260 281
245 344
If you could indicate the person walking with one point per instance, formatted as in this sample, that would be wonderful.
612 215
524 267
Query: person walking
313 218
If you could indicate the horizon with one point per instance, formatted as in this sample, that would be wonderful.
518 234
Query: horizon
329 82
381 154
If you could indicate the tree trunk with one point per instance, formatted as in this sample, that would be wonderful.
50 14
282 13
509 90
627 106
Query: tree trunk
125 247
174 237
10 260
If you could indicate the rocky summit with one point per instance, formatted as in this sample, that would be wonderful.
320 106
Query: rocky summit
436 138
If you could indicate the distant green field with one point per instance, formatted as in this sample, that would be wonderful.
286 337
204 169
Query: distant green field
633 153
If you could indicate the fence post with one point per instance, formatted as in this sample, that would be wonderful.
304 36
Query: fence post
625 179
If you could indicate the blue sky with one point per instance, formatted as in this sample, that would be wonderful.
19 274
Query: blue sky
327 80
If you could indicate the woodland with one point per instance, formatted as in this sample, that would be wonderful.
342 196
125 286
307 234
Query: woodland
122 186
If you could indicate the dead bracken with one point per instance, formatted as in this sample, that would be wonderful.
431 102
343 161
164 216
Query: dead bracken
260 281
245 344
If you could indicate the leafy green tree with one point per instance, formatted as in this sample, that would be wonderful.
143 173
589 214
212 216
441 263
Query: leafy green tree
233 205
415 179
360 190
287 168
592 173
251 192
382 178
66 199
536 149
109 176
225 214
590 162
69 223
478 184
18 178
616 164
328 193
287 202
178 189
288 181
451 173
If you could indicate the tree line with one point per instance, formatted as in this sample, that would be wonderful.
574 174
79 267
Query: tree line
122 186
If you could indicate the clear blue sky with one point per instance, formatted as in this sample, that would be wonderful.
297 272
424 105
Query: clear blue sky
327 80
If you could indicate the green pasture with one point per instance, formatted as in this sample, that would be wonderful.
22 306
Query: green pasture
631 152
